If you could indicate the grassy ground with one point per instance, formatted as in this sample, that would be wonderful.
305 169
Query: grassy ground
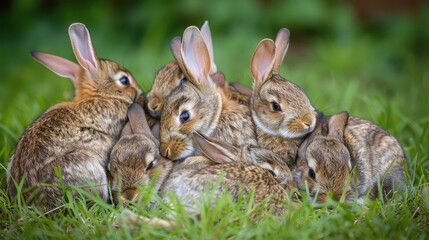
378 72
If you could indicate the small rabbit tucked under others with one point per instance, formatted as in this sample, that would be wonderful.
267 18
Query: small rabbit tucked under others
285 116
197 105
172 75
74 137
341 143
324 163
136 160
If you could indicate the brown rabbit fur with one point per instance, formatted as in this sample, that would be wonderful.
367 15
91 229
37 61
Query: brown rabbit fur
373 150
171 76
76 136
350 143
377 156
190 177
324 161
282 112
235 92
127 159
197 105
283 115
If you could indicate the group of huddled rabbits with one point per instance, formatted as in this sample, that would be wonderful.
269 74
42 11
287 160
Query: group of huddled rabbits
193 131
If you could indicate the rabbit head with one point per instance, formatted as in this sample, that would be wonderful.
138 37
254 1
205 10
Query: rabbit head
92 76
186 109
279 107
171 75
134 156
168 78
324 161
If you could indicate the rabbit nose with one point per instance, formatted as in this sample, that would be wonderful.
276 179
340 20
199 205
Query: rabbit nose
154 108
128 196
309 122
165 150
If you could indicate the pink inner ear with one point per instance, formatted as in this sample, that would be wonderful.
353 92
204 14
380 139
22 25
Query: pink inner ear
207 36
219 79
58 65
195 55
82 46
263 60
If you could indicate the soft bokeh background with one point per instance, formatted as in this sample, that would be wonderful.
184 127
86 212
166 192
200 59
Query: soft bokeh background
370 58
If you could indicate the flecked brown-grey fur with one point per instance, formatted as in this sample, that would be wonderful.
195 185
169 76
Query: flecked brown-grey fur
75 137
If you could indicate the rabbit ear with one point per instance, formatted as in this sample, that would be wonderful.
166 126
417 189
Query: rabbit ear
336 125
58 65
195 57
207 36
219 79
138 122
241 89
156 130
282 45
175 46
263 61
126 130
212 149
82 46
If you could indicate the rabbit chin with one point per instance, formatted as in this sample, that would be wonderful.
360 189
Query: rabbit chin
280 132
184 154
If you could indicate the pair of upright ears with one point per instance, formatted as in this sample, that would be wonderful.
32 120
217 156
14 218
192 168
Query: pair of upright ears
194 54
83 50
268 56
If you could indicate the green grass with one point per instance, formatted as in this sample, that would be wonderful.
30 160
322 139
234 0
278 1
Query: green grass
378 71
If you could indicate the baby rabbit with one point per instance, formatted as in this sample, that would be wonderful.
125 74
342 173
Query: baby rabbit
282 112
172 75
136 157
197 105
73 138
324 162
127 160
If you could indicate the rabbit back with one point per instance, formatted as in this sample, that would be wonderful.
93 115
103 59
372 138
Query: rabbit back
189 180
377 155
66 138
235 125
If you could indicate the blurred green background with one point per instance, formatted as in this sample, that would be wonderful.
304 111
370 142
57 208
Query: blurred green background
370 58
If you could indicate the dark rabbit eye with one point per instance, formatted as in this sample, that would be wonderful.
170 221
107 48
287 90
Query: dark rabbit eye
276 107
312 174
124 81
184 79
184 116
150 166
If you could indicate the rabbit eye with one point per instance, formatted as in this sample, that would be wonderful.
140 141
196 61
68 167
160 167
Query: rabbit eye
150 166
124 81
184 79
184 116
312 174
276 107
